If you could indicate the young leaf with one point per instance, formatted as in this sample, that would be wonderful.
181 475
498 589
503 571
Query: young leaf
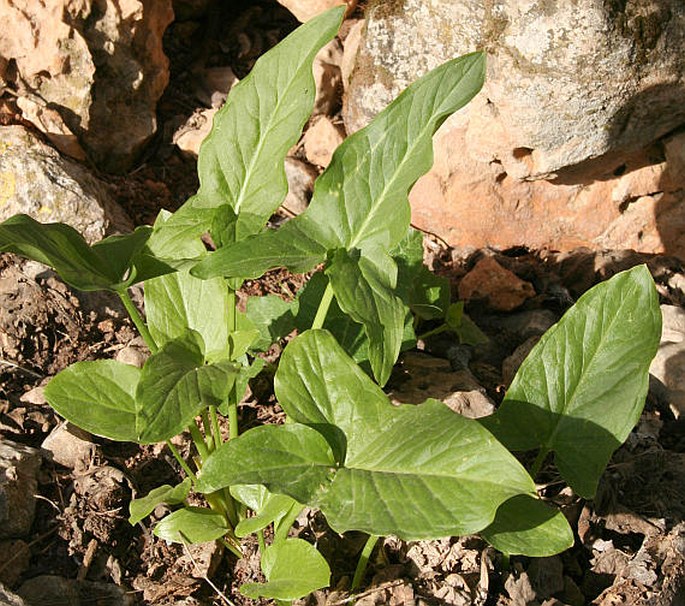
293 568
360 201
98 397
175 385
364 290
526 525
268 507
107 265
293 457
171 495
191 525
582 388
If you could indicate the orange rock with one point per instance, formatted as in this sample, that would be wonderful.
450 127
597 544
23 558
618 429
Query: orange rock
321 140
499 288
304 10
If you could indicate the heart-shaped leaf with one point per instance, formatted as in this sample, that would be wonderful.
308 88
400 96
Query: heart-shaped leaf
582 388
293 568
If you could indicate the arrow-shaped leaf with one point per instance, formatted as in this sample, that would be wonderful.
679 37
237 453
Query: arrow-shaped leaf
582 388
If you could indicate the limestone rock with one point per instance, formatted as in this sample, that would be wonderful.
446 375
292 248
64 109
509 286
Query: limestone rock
301 177
321 139
669 363
328 78
304 10
190 136
98 66
499 288
70 446
563 147
19 466
7 598
36 180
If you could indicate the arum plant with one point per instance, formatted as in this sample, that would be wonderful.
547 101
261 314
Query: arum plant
417 472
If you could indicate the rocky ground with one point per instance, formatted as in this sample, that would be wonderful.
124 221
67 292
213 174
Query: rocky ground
64 534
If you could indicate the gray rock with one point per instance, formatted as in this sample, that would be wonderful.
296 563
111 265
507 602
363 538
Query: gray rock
567 82
512 363
668 365
19 467
48 590
37 181
70 446
301 177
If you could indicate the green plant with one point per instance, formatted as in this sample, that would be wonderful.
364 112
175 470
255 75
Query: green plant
412 471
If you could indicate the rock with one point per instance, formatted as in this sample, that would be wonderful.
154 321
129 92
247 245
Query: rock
499 288
217 82
669 363
350 48
328 78
70 446
36 180
321 139
429 377
190 136
301 177
134 353
49 590
7 598
14 561
304 10
19 467
99 67
512 363
545 155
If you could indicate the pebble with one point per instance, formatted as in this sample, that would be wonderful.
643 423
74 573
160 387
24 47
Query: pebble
301 177
321 140
668 365
70 446
19 467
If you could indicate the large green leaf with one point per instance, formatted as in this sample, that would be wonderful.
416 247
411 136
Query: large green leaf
293 568
364 289
192 525
295 458
107 265
526 525
361 199
175 385
413 471
98 397
582 388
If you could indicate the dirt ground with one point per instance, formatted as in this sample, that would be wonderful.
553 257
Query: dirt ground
630 541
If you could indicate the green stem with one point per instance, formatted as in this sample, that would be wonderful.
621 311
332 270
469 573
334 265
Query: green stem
181 460
233 549
137 319
232 415
216 430
539 460
209 430
282 528
199 441
326 301
435 331
363 562
261 541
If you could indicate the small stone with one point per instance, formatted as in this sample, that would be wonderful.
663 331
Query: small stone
301 177
304 10
14 561
499 288
328 78
667 365
70 446
190 136
35 396
49 590
321 140
217 83
350 48
19 467
7 598
134 353
512 363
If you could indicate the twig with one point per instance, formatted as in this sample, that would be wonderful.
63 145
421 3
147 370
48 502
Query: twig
203 575
21 368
